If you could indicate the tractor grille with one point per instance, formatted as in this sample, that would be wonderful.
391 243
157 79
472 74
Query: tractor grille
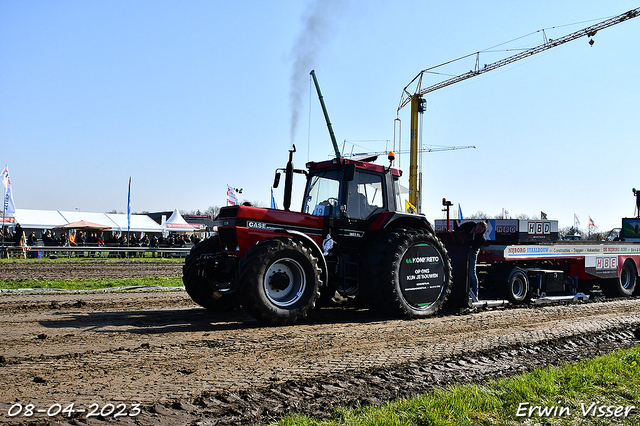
228 239
228 212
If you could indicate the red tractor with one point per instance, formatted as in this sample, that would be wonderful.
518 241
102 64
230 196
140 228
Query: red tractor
350 237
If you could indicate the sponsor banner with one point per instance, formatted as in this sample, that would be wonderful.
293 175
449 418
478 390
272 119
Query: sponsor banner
568 250
422 275
630 229
510 230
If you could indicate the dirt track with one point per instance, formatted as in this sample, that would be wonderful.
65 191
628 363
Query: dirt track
183 365
87 269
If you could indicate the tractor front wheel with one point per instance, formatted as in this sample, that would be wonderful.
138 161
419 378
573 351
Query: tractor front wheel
200 282
279 281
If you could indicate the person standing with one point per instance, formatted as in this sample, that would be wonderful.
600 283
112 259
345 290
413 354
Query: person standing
474 233
20 240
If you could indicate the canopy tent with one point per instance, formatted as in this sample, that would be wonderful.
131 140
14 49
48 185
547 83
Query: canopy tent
84 225
176 223
99 218
50 219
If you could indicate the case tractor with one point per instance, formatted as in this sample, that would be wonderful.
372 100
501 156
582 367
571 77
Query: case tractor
350 237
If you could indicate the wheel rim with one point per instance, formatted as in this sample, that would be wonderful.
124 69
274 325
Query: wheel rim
625 278
285 282
518 287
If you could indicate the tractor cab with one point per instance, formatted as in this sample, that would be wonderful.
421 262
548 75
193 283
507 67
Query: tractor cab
351 189
354 189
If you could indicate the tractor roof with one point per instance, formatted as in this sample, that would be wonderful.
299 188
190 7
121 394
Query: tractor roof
340 162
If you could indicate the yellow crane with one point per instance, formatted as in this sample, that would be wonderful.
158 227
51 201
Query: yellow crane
417 101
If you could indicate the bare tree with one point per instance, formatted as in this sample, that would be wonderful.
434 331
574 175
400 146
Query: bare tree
482 215
212 211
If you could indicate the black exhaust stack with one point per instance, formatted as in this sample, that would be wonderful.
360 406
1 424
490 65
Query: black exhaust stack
288 180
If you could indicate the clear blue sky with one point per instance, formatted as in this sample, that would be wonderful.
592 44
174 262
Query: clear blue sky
186 97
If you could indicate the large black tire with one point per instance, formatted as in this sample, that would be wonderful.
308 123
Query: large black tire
516 288
407 273
279 281
201 286
624 285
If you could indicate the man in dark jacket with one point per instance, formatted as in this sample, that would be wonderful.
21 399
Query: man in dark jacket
475 238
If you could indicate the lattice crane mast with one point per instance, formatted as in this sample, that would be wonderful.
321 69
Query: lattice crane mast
418 102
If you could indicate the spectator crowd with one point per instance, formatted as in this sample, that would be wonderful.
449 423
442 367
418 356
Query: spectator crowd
96 239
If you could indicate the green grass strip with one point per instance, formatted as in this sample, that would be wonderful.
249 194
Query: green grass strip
92 283
601 391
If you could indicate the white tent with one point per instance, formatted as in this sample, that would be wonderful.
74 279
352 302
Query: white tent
48 219
39 219
139 223
177 223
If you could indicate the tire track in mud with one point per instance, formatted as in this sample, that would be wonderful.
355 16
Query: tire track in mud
186 365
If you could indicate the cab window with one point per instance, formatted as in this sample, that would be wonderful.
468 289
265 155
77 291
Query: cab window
366 195
398 196
321 196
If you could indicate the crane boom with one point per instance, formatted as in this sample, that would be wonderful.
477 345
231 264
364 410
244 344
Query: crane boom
423 149
418 102
549 44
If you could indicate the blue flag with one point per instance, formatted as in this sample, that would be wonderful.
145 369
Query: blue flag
460 212
129 207
273 201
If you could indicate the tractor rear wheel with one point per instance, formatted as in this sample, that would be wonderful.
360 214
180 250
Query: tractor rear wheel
199 282
407 273
279 281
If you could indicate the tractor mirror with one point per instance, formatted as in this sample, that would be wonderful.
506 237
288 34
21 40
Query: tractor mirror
276 180
349 172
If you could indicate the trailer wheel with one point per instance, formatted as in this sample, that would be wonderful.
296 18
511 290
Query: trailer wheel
517 286
201 286
624 285
407 273
279 281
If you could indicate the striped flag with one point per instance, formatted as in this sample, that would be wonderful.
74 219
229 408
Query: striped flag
129 206
9 206
232 198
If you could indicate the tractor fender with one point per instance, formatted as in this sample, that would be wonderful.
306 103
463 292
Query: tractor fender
316 250
392 220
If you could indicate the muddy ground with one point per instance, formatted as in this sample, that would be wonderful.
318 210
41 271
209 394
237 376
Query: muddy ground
183 365
89 268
